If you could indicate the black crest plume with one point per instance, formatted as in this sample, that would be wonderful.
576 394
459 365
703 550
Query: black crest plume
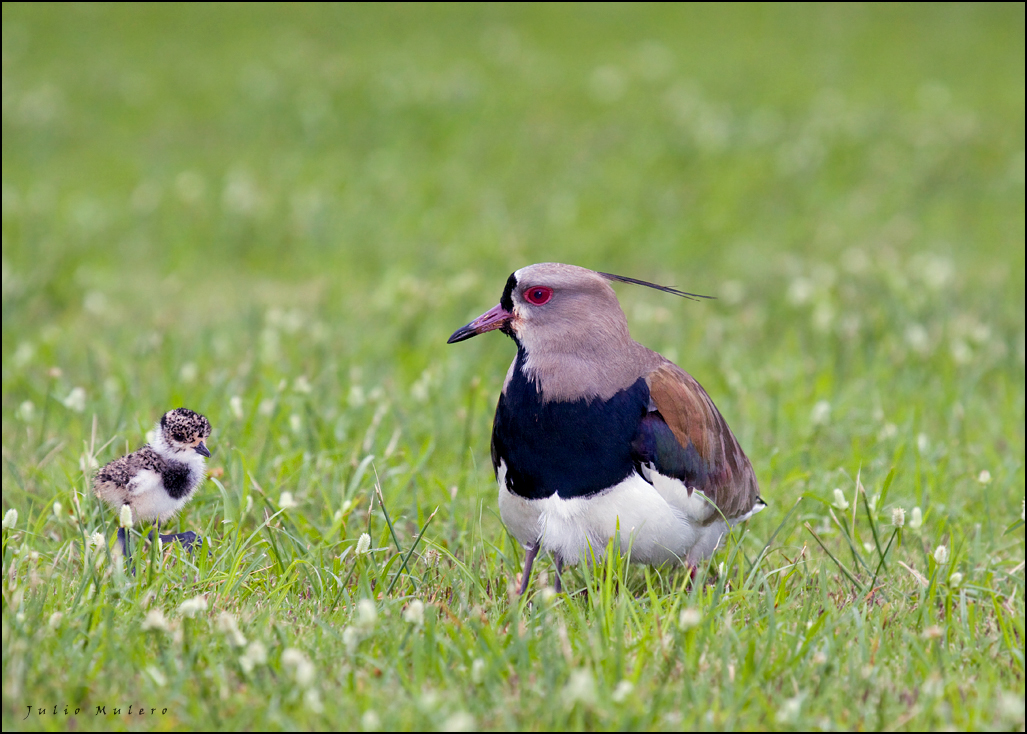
647 284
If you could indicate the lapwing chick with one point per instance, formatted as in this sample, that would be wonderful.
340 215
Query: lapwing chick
596 436
156 481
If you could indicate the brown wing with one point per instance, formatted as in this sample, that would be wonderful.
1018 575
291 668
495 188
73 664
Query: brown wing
707 456
111 482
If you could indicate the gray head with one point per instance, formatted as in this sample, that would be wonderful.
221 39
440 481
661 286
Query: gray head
569 324
182 430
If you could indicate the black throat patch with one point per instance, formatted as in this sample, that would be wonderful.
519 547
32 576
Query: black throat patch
572 449
507 300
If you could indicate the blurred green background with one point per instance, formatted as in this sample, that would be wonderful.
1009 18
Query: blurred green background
261 192
208 201
277 214
200 202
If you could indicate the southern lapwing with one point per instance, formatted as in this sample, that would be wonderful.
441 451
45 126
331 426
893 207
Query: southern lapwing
597 436
156 481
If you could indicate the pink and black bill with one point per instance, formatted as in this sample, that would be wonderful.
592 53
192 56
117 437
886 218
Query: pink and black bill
496 317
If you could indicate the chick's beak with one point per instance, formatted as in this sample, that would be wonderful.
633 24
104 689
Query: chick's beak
495 318
201 449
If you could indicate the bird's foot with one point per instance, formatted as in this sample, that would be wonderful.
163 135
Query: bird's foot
188 539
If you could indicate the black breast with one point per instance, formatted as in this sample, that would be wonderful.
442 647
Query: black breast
573 449
176 479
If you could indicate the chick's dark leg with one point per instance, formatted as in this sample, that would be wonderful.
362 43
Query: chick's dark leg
529 560
559 574
123 542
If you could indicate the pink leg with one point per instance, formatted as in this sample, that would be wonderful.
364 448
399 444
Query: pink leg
529 560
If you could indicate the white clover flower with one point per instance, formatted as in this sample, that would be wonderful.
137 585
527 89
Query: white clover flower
956 580
76 400
898 517
821 413
96 540
228 624
55 620
478 671
295 423
24 354
917 519
312 700
125 517
158 677
414 613
367 616
984 477
460 721
155 620
10 519
301 385
624 689
256 654
58 508
87 462
788 713
363 544
286 501
192 607
689 618
27 410
800 291
840 503
941 555
235 405
370 721
1011 706
581 688
356 396
303 671
351 639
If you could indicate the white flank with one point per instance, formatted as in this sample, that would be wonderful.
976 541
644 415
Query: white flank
658 523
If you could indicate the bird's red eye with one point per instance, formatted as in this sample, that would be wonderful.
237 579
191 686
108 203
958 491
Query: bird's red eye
538 295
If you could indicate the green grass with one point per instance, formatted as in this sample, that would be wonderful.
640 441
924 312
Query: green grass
277 215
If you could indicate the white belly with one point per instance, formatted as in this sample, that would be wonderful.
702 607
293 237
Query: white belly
149 500
656 524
